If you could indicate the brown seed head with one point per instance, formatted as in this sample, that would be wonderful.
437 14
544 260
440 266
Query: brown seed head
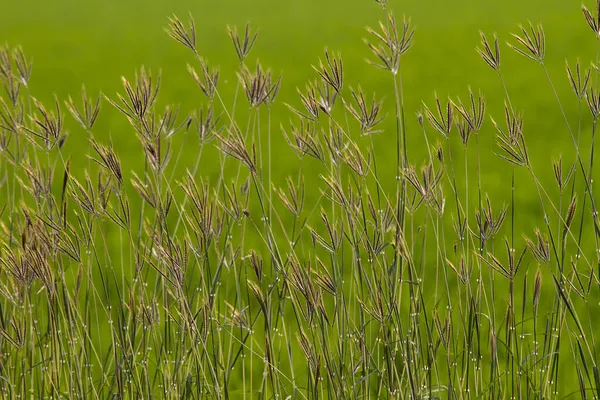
489 53
578 82
178 32
531 43
244 44
388 45
443 121
593 21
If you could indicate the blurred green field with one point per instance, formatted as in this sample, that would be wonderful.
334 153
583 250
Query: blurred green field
96 42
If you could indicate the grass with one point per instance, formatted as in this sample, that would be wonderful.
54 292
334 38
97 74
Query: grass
379 254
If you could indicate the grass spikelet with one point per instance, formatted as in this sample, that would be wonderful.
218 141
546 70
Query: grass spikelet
489 53
242 44
178 32
530 43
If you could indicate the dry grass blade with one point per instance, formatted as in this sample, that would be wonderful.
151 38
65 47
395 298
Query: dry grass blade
335 234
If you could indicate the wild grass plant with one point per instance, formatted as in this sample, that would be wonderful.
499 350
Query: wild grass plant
403 281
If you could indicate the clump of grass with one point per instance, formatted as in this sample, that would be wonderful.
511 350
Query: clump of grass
160 282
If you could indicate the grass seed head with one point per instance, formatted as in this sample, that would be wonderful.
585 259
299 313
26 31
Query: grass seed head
242 44
178 32
388 45
367 115
260 88
490 53
332 72
531 43
207 81
442 122
593 21
579 82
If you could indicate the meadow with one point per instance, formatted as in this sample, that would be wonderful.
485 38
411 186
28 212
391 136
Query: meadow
339 199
